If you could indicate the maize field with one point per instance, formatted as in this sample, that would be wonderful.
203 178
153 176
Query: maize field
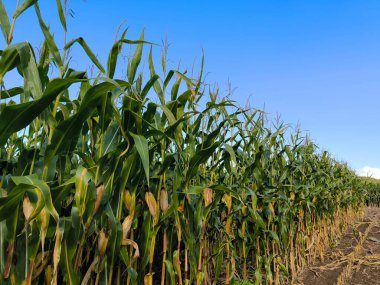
152 178
372 197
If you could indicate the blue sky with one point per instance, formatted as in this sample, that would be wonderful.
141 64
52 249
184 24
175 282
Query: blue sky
316 63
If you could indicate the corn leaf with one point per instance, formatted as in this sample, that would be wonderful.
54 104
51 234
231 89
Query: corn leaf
114 53
141 144
88 51
49 38
4 21
11 92
67 131
15 117
24 6
61 14
132 68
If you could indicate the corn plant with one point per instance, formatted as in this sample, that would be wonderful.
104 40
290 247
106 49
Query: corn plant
372 187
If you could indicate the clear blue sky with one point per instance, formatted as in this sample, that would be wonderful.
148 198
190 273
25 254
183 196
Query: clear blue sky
316 63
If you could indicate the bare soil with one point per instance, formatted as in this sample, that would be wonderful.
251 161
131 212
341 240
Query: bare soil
355 260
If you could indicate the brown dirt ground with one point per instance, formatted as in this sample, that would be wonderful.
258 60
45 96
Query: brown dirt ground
365 264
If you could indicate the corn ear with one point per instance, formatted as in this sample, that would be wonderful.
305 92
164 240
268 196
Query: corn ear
152 205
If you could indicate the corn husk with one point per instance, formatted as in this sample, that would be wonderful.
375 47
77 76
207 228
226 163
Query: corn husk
127 224
164 200
127 199
99 195
271 208
56 254
152 205
227 199
44 217
27 208
207 196
102 243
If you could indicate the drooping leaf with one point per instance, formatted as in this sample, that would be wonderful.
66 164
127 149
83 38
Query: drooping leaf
149 85
16 117
25 5
42 187
4 94
88 51
232 154
9 60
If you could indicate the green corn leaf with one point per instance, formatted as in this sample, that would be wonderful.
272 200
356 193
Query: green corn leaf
16 117
67 132
67 255
170 269
149 85
168 77
156 85
168 162
258 276
258 220
61 14
28 67
115 237
128 164
199 158
87 49
33 245
141 144
110 138
25 5
175 88
231 152
188 81
124 256
4 94
8 204
49 38
114 53
274 236
132 68
199 82
218 251
133 274
4 21
195 190
169 114
42 187
9 60
105 111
